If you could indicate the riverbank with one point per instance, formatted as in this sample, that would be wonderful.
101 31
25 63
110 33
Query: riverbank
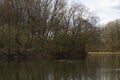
103 53
40 56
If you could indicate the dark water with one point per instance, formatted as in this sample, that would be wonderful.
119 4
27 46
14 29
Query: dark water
99 67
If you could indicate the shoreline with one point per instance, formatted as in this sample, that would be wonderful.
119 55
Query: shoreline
39 56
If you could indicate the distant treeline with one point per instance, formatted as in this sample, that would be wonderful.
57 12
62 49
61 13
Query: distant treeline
111 36
53 27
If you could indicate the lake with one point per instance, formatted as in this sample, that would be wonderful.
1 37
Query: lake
93 67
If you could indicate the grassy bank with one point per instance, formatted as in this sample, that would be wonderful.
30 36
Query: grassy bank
103 53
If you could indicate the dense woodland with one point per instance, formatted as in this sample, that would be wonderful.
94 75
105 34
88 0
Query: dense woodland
52 27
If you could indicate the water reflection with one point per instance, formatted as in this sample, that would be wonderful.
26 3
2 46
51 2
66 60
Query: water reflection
99 67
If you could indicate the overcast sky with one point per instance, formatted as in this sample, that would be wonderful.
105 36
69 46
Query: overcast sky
106 10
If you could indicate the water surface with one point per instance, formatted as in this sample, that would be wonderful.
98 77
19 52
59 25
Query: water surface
95 67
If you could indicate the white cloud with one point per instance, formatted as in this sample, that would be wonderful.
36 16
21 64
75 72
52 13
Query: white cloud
107 10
